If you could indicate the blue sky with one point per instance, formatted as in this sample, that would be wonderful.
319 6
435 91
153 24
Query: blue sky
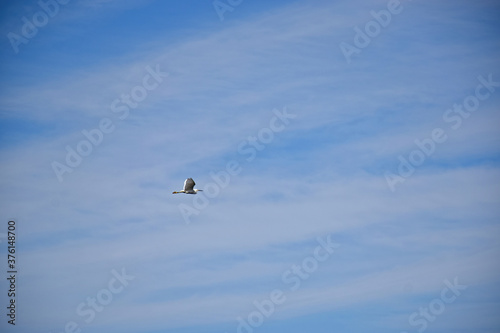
342 192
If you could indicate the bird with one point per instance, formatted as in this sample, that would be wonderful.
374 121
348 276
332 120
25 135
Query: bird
188 187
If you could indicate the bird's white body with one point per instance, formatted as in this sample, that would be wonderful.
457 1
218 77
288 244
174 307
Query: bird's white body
188 187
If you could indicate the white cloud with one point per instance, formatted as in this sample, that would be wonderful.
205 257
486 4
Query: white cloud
323 174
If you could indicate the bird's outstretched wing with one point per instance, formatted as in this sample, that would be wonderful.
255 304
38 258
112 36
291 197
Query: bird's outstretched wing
189 185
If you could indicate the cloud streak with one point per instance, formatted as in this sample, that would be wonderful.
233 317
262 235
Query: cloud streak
323 175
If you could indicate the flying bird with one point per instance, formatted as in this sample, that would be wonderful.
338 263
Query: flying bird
188 187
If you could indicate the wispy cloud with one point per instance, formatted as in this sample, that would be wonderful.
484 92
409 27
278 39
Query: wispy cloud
322 175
